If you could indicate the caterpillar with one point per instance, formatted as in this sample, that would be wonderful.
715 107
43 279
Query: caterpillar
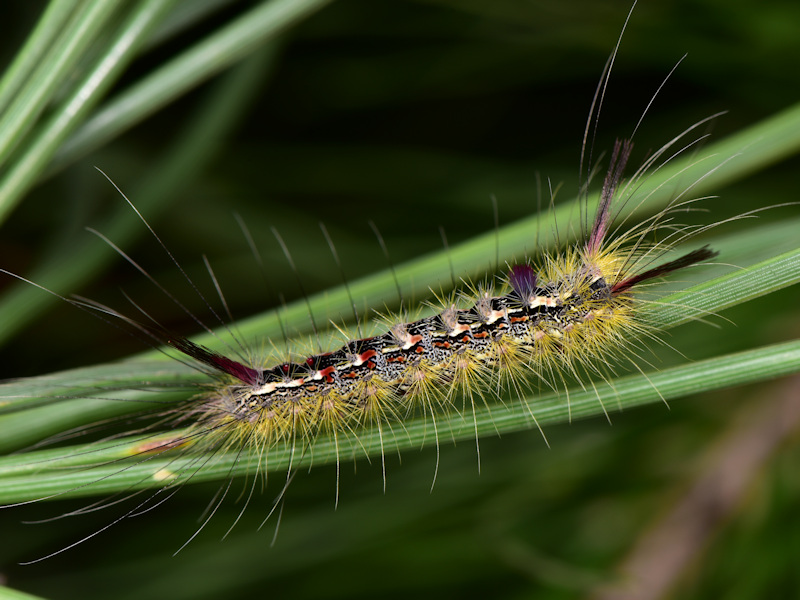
521 278
547 321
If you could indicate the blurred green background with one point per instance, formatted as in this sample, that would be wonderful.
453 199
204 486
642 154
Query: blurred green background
413 114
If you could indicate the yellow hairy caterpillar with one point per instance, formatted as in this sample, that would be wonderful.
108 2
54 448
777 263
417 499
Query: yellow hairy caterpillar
542 338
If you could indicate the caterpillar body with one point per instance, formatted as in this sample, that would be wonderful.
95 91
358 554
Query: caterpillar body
579 310
547 330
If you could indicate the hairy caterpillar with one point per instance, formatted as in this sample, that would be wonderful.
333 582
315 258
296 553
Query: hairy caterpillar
444 276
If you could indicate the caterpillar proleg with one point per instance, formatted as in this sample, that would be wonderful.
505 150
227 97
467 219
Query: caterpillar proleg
522 339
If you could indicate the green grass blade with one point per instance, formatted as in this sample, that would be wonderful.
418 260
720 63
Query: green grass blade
726 161
58 63
29 164
186 71
7 593
51 24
